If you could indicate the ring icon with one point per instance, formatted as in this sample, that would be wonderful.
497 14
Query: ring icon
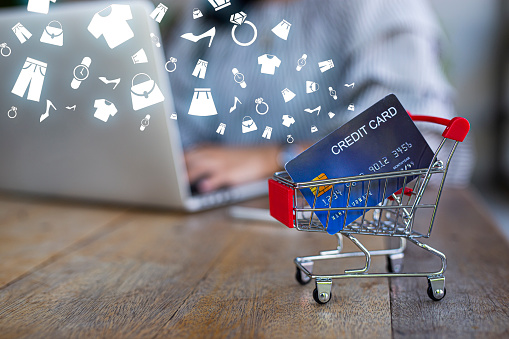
13 112
4 46
171 61
289 139
238 19
259 102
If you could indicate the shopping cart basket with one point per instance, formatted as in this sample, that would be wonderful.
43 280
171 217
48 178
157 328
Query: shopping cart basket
393 218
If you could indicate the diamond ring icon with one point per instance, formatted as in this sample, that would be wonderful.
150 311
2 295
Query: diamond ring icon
259 102
238 19
171 61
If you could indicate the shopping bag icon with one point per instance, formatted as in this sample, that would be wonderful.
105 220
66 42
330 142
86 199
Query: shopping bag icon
145 94
202 104
197 13
248 124
53 34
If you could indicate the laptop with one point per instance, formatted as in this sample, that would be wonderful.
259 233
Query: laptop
70 128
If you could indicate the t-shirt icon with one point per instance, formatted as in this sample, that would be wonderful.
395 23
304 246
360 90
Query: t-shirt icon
288 120
112 23
269 63
104 109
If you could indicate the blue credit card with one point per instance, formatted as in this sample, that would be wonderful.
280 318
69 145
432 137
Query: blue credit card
381 139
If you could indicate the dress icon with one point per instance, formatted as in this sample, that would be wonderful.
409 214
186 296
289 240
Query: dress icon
159 12
32 77
111 22
39 6
202 103
21 32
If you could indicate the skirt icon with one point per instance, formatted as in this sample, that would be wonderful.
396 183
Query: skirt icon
202 104
282 29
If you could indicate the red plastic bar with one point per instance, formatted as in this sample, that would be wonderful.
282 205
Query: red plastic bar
456 129
281 202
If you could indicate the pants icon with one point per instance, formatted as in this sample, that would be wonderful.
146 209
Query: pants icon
21 32
221 128
31 77
287 94
326 65
282 29
159 12
200 69
267 132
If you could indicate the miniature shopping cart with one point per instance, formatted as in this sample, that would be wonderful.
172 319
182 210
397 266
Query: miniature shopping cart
395 217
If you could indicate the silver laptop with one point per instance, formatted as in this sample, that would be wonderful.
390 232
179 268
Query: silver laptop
70 128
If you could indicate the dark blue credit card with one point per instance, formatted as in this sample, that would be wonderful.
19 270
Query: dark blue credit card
381 139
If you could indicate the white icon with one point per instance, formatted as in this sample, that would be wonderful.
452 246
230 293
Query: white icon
331 115
140 57
350 85
239 78
288 120
220 129
314 129
144 122
332 93
200 69
269 63
287 94
104 109
71 107
5 50
49 104
155 39
81 72
238 19
219 4
259 102
351 107
39 6
197 13
282 29
13 112
21 32
194 38
301 62
248 124
53 35
234 107
326 65
311 87
289 139
107 82
31 76
202 104
145 93
112 23
267 133
173 116
311 111
171 65
159 12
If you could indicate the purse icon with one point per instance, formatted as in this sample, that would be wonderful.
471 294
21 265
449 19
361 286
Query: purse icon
53 35
314 129
197 13
248 124
145 93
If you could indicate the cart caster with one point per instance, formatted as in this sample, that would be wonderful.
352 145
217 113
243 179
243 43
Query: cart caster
395 262
436 288
302 277
322 292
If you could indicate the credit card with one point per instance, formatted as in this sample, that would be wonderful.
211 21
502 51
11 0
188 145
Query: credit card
381 139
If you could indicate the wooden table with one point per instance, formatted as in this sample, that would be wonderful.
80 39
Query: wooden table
71 270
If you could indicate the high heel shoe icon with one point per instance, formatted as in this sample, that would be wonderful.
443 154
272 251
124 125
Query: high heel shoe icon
208 34
46 114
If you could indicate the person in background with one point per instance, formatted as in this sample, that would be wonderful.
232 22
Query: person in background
377 47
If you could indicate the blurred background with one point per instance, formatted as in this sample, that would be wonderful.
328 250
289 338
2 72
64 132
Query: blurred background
476 61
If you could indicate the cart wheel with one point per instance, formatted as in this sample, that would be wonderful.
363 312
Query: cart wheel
395 263
437 297
323 298
301 277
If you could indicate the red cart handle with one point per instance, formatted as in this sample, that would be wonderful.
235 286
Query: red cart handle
457 128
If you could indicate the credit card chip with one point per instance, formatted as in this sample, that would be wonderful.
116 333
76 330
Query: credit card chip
319 190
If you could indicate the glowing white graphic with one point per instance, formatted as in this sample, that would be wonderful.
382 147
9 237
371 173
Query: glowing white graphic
289 139
155 39
159 12
104 109
311 87
12 112
350 85
145 93
351 107
331 115
326 65
197 13
5 50
200 69
107 82
219 4
248 125
39 6
269 63
49 105
234 107
311 111
238 19
267 132
282 29
145 122
239 78
259 102
220 129
21 32
287 94
288 120
53 35
73 108
140 57
111 22
173 116
211 33
81 72
32 77
171 65
314 129
301 62
202 103
332 93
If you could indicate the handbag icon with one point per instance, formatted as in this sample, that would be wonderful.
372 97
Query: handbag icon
248 124
197 13
145 94
314 129
53 35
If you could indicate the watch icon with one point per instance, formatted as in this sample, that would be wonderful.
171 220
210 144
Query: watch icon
301 62
144 122
239 78
81 72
